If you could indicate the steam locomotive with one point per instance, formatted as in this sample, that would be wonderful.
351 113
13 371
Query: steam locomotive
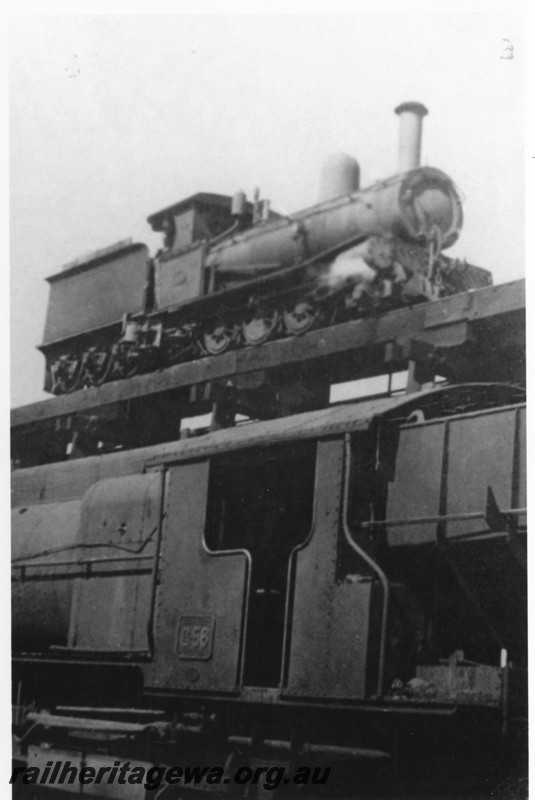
342 589
339 592
233 273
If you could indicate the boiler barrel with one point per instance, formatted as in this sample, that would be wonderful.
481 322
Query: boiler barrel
420 203
43 537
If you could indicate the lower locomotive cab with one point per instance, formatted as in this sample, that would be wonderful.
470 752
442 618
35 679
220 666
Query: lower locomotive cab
339 588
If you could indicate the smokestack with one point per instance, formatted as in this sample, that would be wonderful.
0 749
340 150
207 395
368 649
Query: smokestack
410 134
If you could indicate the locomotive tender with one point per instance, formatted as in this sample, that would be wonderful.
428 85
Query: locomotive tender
233 274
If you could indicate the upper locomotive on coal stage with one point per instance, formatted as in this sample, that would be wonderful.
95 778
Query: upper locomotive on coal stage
233 273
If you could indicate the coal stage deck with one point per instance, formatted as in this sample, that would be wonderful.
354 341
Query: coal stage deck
476 336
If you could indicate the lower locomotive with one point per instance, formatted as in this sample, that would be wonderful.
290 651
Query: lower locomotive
233 274
343 589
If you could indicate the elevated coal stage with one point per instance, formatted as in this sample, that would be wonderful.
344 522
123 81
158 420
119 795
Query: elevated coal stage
476 336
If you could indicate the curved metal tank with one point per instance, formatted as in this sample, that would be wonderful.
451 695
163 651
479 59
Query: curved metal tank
84 566
41 599
340 175
417 205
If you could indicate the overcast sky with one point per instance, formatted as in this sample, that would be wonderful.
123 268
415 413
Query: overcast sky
115 117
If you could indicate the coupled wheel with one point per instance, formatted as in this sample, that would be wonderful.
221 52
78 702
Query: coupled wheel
260 326
177 348
125 362
300 317
102 366
66 374
217 337
96 367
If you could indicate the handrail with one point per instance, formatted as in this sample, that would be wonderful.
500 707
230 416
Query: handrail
88 545
369 561
82 562
438 518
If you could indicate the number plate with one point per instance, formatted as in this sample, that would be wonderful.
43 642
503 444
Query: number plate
194 637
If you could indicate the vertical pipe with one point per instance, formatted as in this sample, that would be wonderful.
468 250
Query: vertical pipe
410 134
373 565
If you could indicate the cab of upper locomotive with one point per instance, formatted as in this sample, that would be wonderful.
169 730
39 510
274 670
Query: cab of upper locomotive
179 264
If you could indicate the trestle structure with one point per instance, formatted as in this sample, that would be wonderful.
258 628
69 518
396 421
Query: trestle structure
475 336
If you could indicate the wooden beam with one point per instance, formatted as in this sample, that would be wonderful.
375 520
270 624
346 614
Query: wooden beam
443 323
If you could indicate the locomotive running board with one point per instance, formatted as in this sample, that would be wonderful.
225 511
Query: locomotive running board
81 724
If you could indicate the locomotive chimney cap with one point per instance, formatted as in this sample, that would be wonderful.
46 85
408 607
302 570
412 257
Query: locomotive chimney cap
414 107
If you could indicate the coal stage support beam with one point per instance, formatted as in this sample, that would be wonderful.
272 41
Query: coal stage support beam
348 351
